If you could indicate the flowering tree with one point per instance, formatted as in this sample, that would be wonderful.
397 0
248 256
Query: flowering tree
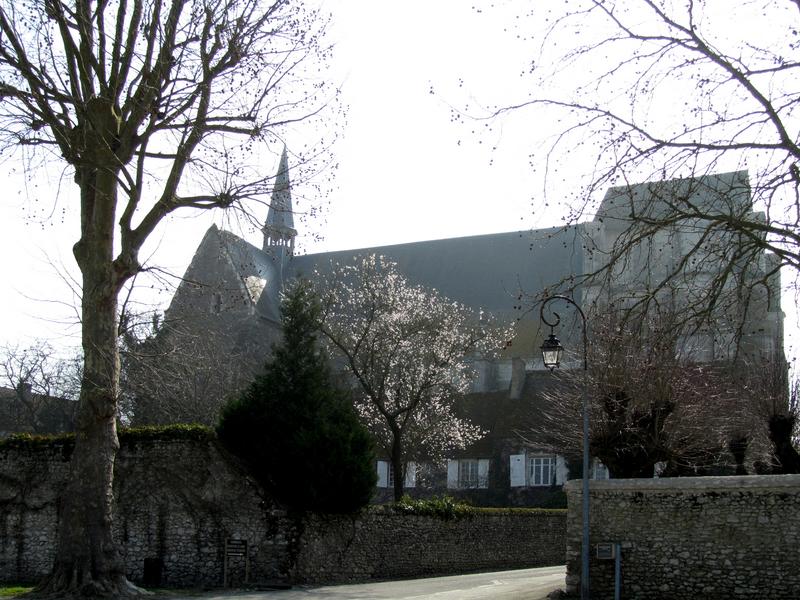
407 349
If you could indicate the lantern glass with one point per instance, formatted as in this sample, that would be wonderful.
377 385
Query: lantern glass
551 352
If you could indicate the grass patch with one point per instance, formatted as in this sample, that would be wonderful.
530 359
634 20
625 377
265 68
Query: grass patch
13 590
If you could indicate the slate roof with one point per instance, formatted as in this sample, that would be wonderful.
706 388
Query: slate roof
280 217
246 258
483 271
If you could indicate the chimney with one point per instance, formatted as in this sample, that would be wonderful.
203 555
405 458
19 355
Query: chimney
517 378
25 392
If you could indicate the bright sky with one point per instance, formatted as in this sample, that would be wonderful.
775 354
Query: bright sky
407 172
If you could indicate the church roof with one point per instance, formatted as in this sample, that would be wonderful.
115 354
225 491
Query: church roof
246 258
484 271
721 193
280 216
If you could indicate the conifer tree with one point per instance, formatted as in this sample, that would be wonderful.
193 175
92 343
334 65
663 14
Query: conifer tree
297 430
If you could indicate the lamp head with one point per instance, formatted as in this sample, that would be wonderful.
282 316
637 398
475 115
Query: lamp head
552 351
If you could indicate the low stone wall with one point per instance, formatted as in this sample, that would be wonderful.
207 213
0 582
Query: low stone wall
178 502
381 544
689 538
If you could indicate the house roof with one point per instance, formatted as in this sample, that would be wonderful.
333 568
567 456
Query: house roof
53 414
507 419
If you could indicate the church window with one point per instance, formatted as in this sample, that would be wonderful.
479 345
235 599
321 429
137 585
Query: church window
255 286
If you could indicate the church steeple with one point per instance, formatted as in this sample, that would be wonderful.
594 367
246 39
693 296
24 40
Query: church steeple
279 231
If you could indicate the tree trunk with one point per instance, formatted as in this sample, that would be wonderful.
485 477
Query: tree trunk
88 562
781 428
397 465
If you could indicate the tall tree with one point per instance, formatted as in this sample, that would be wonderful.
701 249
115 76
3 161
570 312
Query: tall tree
296 428
142 99
649 90
407 350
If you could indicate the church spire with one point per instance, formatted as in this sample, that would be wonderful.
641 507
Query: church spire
279 231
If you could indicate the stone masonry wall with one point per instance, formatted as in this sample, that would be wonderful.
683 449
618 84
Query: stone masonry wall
688 538
177 502
381 544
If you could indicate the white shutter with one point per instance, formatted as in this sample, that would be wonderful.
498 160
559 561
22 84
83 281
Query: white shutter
411 475
517 470
483 472
452 474
383 474
562 472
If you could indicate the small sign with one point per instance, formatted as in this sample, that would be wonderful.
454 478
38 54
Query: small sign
235 548
606 551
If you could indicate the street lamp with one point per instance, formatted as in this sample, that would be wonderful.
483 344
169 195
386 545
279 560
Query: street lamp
551 355
552 351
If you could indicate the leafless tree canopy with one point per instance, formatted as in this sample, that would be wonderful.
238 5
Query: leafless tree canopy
175 374
658 90
44 387
650 406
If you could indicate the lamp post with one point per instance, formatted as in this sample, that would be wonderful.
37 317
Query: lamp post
551 355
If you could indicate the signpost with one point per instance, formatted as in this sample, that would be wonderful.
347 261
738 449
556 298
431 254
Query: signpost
235 548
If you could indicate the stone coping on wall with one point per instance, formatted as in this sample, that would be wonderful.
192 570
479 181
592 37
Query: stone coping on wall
672 484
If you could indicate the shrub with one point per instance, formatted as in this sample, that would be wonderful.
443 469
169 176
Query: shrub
297 431
445 507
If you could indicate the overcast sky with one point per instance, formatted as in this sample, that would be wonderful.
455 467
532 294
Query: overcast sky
407 171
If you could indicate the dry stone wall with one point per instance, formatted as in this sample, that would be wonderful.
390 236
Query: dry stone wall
688 538
178 502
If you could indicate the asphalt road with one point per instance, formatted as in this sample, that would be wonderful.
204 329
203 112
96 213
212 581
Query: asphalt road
525 584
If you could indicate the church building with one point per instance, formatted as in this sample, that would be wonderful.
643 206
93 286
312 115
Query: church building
232 288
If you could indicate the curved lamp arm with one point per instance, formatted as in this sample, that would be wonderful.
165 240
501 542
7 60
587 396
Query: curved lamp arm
557 320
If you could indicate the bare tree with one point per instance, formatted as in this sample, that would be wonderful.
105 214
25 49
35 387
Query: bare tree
407 350
175 374
44 386
669 90
773 404
154 106
647 404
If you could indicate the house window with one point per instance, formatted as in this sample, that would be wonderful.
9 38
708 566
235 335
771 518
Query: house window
468 473
386 474
537 470
541 470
